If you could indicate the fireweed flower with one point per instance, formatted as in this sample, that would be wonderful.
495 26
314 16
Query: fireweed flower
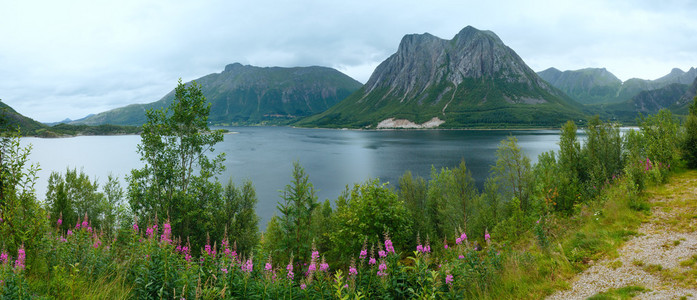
364 253
19 263
449 279
419 248
382 253
324 266
85 224
289 268
372 261
268 266
303 286
486 235
4 258
388 245
458 241
224 270
353 271
70 232
59 222
166 236
382 268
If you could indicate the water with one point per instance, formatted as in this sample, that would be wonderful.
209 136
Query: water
331 158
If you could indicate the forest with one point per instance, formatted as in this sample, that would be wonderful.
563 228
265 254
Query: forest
176 231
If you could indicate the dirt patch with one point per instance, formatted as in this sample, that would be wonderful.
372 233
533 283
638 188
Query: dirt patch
406 124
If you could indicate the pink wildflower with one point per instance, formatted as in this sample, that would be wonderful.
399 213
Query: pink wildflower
382 268
303 286
458 241
224 270
353 271
268 266
388 245
166 236
59 222
135 226
324 267
364 253
4 258
449 279
85 224
70 232
19 263
382 253
419 248
372 261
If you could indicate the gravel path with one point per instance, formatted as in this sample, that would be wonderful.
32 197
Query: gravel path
652 258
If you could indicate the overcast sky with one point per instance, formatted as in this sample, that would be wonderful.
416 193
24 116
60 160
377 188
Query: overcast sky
67 59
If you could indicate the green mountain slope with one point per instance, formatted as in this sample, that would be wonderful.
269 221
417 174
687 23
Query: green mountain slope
598 86
10 120
252 95
473 80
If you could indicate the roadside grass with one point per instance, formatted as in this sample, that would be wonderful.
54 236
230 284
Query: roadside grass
599 228
627 292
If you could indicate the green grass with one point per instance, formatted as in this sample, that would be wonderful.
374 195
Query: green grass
627 292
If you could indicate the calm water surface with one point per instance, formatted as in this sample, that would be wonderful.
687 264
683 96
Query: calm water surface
331 158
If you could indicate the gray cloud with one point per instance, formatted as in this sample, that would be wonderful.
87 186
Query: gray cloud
61 60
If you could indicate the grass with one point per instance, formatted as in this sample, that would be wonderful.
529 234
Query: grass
627 292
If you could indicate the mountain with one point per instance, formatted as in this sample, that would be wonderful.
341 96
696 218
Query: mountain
252 95
587 86
11 119
473 80
599 86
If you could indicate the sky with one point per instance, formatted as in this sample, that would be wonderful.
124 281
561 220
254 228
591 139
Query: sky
68 59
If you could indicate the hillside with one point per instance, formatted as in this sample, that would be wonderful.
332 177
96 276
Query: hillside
472 80
252 95
10 120
599 86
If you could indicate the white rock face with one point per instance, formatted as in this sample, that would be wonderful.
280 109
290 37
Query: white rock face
406 124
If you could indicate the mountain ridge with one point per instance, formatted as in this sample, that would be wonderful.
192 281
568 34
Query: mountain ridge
599 86
244 94
472 80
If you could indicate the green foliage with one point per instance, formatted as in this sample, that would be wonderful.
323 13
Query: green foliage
297 206
660 133
689 144
603 151
71 196
366 212
570 170
513 173
23 219
177 179
236 211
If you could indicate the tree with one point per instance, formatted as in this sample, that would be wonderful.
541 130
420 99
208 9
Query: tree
660 133
366 212
450 194
689 145
513 173
603 150
73 196
570 169
296 207
237 213
22 220
178 179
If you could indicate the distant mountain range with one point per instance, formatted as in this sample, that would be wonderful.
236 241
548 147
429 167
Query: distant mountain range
472 80
242 95
598 86
11 121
